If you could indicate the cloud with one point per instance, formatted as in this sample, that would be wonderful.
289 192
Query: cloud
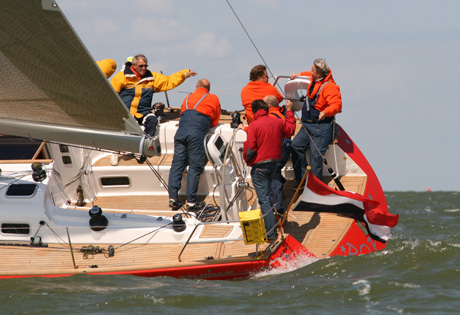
367 81
154 6
159 29
206 44
103 26
273 4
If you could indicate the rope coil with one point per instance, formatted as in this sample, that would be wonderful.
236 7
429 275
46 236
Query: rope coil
90 251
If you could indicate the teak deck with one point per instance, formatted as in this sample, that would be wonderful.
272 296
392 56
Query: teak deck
57 259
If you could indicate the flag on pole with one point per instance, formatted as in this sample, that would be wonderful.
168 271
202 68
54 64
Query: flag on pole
317 196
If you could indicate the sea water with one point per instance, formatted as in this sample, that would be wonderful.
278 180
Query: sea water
418 272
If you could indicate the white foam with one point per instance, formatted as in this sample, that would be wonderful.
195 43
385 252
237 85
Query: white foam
286 266
365 287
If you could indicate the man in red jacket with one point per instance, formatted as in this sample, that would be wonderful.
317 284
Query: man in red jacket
262 151
276 188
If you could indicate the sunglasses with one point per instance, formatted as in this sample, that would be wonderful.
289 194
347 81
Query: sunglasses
142 66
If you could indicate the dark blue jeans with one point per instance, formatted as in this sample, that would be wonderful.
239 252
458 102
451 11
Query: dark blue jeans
262 175
321 135
276 192
276 187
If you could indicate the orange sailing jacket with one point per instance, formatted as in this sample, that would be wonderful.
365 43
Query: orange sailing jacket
276 112
330 99
209 106
257 90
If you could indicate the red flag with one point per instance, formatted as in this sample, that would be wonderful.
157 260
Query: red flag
317 192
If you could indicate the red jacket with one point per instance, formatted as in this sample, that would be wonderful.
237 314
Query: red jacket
257 90
277 112
330 99
209 106
264 137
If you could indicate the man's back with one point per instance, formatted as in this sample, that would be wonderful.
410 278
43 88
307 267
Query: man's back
209 106
257 90
265 134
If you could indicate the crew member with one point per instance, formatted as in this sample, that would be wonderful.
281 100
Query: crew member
323 101
136 86
199 112
276 187
262 151
257 89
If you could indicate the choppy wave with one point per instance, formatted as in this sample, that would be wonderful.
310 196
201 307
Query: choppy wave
417 272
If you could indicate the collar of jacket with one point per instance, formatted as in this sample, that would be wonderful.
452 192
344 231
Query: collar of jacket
260 113
318 84
278 109
129 73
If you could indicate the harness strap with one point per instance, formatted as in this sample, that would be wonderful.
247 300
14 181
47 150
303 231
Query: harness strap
194 107
316 96
277 114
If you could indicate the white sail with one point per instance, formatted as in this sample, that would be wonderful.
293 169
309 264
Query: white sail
51 88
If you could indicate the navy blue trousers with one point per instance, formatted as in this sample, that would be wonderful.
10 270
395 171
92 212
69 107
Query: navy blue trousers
188 147
321 135
277 184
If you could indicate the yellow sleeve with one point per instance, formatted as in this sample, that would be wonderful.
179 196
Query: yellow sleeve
108 66
118 82
163 83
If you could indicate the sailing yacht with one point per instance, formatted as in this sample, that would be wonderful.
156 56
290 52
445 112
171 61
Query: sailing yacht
68 209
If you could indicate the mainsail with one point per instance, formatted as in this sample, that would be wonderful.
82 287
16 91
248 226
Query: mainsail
50 86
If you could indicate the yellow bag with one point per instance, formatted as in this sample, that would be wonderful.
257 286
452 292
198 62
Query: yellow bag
253 226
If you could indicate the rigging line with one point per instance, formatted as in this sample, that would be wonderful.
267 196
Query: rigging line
165 185
21 176
158 176
59 239
249 36
144 235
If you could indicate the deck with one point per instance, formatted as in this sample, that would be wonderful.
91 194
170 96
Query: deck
57 259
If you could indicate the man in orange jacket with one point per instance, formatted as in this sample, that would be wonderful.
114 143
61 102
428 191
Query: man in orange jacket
199 112
257 89
323 101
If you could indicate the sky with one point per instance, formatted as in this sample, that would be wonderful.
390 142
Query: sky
396 63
